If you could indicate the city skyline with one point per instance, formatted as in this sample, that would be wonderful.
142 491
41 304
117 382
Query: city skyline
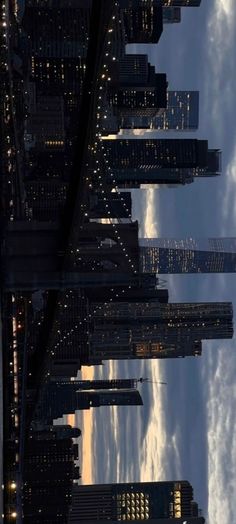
80 287
188 212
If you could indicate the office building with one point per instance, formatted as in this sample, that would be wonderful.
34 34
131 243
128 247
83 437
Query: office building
153 330
150 501
58 31
45 199
142 20
160 161
181 114
171 15
45 125
63 397
181 3
136 90
116 383
212 255
49 471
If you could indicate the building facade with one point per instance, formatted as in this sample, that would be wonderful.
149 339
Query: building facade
149 501
63 397
212 255
160 161
136 89
181 114
181 3
49 471
142 20
153 330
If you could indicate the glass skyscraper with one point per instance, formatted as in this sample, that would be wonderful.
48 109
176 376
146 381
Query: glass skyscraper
181 114
166 256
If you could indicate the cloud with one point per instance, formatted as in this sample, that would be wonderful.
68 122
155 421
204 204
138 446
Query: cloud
220 64
220 390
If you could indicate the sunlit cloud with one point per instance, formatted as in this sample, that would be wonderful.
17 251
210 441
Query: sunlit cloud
86 418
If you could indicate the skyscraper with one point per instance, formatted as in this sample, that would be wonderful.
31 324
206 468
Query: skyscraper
136 90
142 20
154 330
181 114
63 397
160 161
181 3
150 501
163 255
49 470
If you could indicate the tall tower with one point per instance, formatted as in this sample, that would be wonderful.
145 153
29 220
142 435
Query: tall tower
63 397
142 20
160 161
136 90
152 330
181 3
49 471
181 114
154 502
212 255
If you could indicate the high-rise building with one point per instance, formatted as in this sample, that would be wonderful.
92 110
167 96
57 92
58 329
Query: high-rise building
49 471
119 397
136 90
57 31
63 397
160 161
154 330
156 502
212 255
142 20
181 114
45 199
181 3
171 15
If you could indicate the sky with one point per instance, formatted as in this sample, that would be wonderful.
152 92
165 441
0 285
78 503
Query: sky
185 430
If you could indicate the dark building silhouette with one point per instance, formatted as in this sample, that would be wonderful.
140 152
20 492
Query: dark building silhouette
63 397
142 20
94 399
112 205
48 476
171 15
163 255
58 29
160 161
136 90
45 198
156 502
153 330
